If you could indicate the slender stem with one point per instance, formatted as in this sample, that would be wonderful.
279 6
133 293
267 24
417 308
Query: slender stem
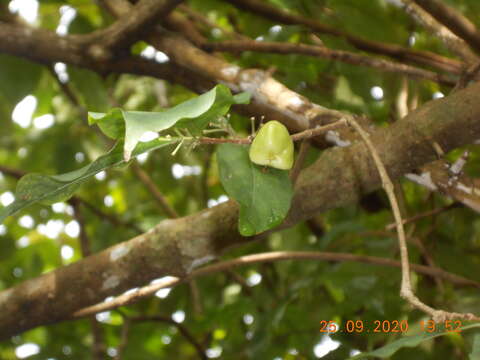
303 135
406 288
153 189
149 290
425 214
394 51
297 167
98 348
238 46
182 330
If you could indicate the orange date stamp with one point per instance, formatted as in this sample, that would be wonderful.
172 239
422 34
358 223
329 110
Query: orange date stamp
388 326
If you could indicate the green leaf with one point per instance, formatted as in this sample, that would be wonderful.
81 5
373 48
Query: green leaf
199 111
264 194
32 184
111 123
33 188
391 348
223 101
408 341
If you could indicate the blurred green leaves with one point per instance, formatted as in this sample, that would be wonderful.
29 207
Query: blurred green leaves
34 188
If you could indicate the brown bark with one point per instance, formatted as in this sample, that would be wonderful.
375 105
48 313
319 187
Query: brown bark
175 247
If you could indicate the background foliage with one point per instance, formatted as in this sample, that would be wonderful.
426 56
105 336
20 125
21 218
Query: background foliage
265 311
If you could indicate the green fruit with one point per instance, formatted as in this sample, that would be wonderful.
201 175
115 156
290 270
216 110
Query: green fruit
272 146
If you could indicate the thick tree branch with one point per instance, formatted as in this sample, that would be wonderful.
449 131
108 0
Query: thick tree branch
176 247
438 176
129 28
192 68
453 20
268 94
42 46
46 47
392 50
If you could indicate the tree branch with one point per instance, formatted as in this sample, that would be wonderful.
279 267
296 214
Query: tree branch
98 348
152 188
41 45
190 67
176 247
451 41
330 54
392 50
453 20
406 290
425 215
228 265
182 329
129 28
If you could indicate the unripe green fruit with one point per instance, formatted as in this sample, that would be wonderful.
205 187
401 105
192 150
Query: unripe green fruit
272 146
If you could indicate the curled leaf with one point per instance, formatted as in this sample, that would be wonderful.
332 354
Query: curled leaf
193 114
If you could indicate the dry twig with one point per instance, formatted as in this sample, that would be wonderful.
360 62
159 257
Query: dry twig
132 297
406 287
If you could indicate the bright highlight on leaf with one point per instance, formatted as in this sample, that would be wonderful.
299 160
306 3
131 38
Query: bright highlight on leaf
273 146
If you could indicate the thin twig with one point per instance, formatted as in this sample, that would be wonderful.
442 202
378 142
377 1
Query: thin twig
348 57
172 214
67 90
149 290
114 220
406 287
311 133
200 18
303 135
181 24
98 348
299 161
123 337
153 189
182 329
240 280
395 51
425 214
468 75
